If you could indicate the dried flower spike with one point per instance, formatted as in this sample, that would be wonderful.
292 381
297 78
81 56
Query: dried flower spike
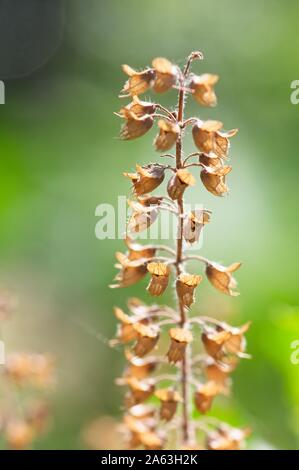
222 346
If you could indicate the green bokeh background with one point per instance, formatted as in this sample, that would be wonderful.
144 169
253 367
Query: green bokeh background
60 159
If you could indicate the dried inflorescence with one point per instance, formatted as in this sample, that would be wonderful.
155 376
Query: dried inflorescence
25 378
142 329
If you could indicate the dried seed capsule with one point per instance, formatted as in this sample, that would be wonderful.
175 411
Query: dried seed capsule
227 438
159 278
185 286
147 178
147 338
169 399
138 82
142 216
193 225
214 340
125 331
141 390
179 182
210 140
139 367
203 89
221 277
135 126
214 179
180 337
138 251
168 135
131 271
138 108
218 372
166 74
204 395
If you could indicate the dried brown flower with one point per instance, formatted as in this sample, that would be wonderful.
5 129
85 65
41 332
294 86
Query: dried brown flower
166 74
193 225
225 339
125 331
138 108
214 179
179 182
169 399
209 139
135 126
203 89
185 286
205 394
142 217
159 278
147 178
168 135
221 277
140 390
131 271
138 82
147 338
227 438
139 367
180 338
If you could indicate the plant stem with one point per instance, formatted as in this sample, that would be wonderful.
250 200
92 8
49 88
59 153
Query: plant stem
185 368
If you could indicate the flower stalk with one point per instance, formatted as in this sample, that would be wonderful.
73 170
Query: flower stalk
222 345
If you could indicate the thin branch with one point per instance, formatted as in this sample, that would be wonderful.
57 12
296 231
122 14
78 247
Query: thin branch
166 111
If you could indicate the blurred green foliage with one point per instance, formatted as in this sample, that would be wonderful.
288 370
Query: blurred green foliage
60 159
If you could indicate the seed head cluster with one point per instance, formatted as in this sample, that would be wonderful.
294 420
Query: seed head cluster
161 343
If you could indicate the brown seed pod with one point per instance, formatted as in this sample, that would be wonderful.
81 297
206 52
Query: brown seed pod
147 178
147 338
159 278
142 216
214 340
138 108
205 394
209 139
185 286
179 182
138 82
152 440
168 135
180 338
131 271
139 367
203 89
218 372
135 126
221 277
169 399
140 390
227 438
125 331
213 179
138 251
193 225
166 74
